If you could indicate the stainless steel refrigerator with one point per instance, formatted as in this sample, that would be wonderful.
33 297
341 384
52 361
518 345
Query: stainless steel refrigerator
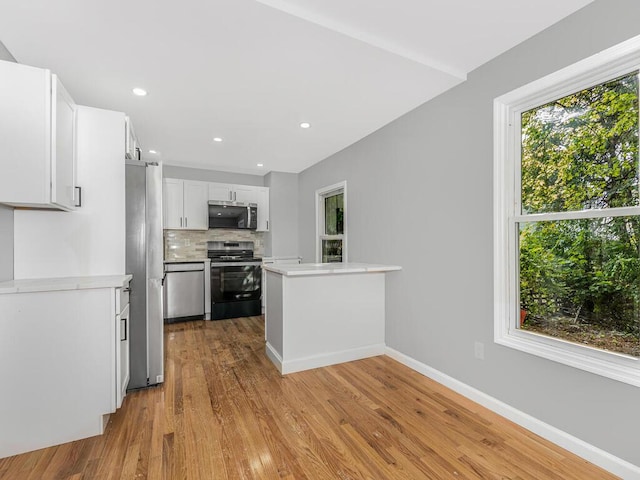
144 260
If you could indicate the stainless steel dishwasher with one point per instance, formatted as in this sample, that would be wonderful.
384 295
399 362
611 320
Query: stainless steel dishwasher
184 295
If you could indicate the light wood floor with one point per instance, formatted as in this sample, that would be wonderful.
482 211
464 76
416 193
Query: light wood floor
226 413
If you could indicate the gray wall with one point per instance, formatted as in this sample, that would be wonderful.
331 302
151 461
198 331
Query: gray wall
171 171
5 54
420 196
282 238
6 214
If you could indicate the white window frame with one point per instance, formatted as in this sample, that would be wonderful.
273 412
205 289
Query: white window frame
604 66
321 194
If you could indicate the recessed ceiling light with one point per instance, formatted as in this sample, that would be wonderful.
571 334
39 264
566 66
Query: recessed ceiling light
153 152
261 165
217 139
141 92
305 125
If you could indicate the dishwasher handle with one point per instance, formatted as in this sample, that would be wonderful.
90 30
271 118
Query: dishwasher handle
184 267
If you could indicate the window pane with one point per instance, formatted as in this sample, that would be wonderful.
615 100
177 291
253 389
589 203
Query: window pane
580 281
331 251
581 151
334 214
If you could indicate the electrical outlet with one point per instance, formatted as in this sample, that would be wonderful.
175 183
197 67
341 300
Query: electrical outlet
479 350
187 242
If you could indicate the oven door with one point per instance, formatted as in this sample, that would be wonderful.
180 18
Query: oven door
235 282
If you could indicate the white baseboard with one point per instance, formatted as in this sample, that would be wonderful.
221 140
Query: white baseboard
324 360
274 357
595 455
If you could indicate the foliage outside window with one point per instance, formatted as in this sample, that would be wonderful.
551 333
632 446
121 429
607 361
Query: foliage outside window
567 230
331 223
580 278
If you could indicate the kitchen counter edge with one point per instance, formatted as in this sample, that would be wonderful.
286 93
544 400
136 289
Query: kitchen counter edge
305 269
30 285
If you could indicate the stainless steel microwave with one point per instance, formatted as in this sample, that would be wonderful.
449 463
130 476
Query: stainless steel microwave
233 215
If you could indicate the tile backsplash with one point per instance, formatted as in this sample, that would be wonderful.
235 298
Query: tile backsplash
192 244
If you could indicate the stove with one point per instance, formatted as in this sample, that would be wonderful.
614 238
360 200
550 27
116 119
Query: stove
241 252
236 280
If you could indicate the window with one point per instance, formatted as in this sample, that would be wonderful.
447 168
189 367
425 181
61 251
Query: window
567 216
331 203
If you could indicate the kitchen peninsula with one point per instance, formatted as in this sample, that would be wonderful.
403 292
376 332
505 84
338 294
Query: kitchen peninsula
320 314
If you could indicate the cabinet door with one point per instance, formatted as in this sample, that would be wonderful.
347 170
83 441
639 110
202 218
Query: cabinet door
25 134
220 191
63 156
172 203
262 199
245 193
122 355
196 209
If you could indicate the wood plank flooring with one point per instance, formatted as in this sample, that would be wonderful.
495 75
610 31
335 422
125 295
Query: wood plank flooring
226 413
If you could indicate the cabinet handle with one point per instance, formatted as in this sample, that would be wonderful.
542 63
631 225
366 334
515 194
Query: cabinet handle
185 222
230 196
267 224
79 190
180 222
123 330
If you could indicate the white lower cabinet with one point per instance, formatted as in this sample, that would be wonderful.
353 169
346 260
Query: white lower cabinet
122 343
62 363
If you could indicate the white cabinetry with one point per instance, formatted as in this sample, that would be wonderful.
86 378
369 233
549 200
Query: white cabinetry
221 191
244 194
132 149
185 204
90 241
231 193
122 343
37 139
261 196
60 370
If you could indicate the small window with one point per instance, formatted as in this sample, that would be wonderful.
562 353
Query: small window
331 202
567 207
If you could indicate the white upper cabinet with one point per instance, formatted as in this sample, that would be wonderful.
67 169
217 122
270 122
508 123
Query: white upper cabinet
196 207
262 199
185 204
172 203
37 139
221 191
244 193
132 149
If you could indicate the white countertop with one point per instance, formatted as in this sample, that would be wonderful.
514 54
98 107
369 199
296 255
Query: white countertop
188 260
65 283
328 268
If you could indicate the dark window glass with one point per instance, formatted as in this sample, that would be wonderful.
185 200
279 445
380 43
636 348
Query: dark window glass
334 214
331 251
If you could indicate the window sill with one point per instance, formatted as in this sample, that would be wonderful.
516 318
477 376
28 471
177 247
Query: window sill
622 368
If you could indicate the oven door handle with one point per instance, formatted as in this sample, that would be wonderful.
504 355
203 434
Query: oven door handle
235 264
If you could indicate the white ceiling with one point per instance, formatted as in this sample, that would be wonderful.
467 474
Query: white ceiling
250 71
